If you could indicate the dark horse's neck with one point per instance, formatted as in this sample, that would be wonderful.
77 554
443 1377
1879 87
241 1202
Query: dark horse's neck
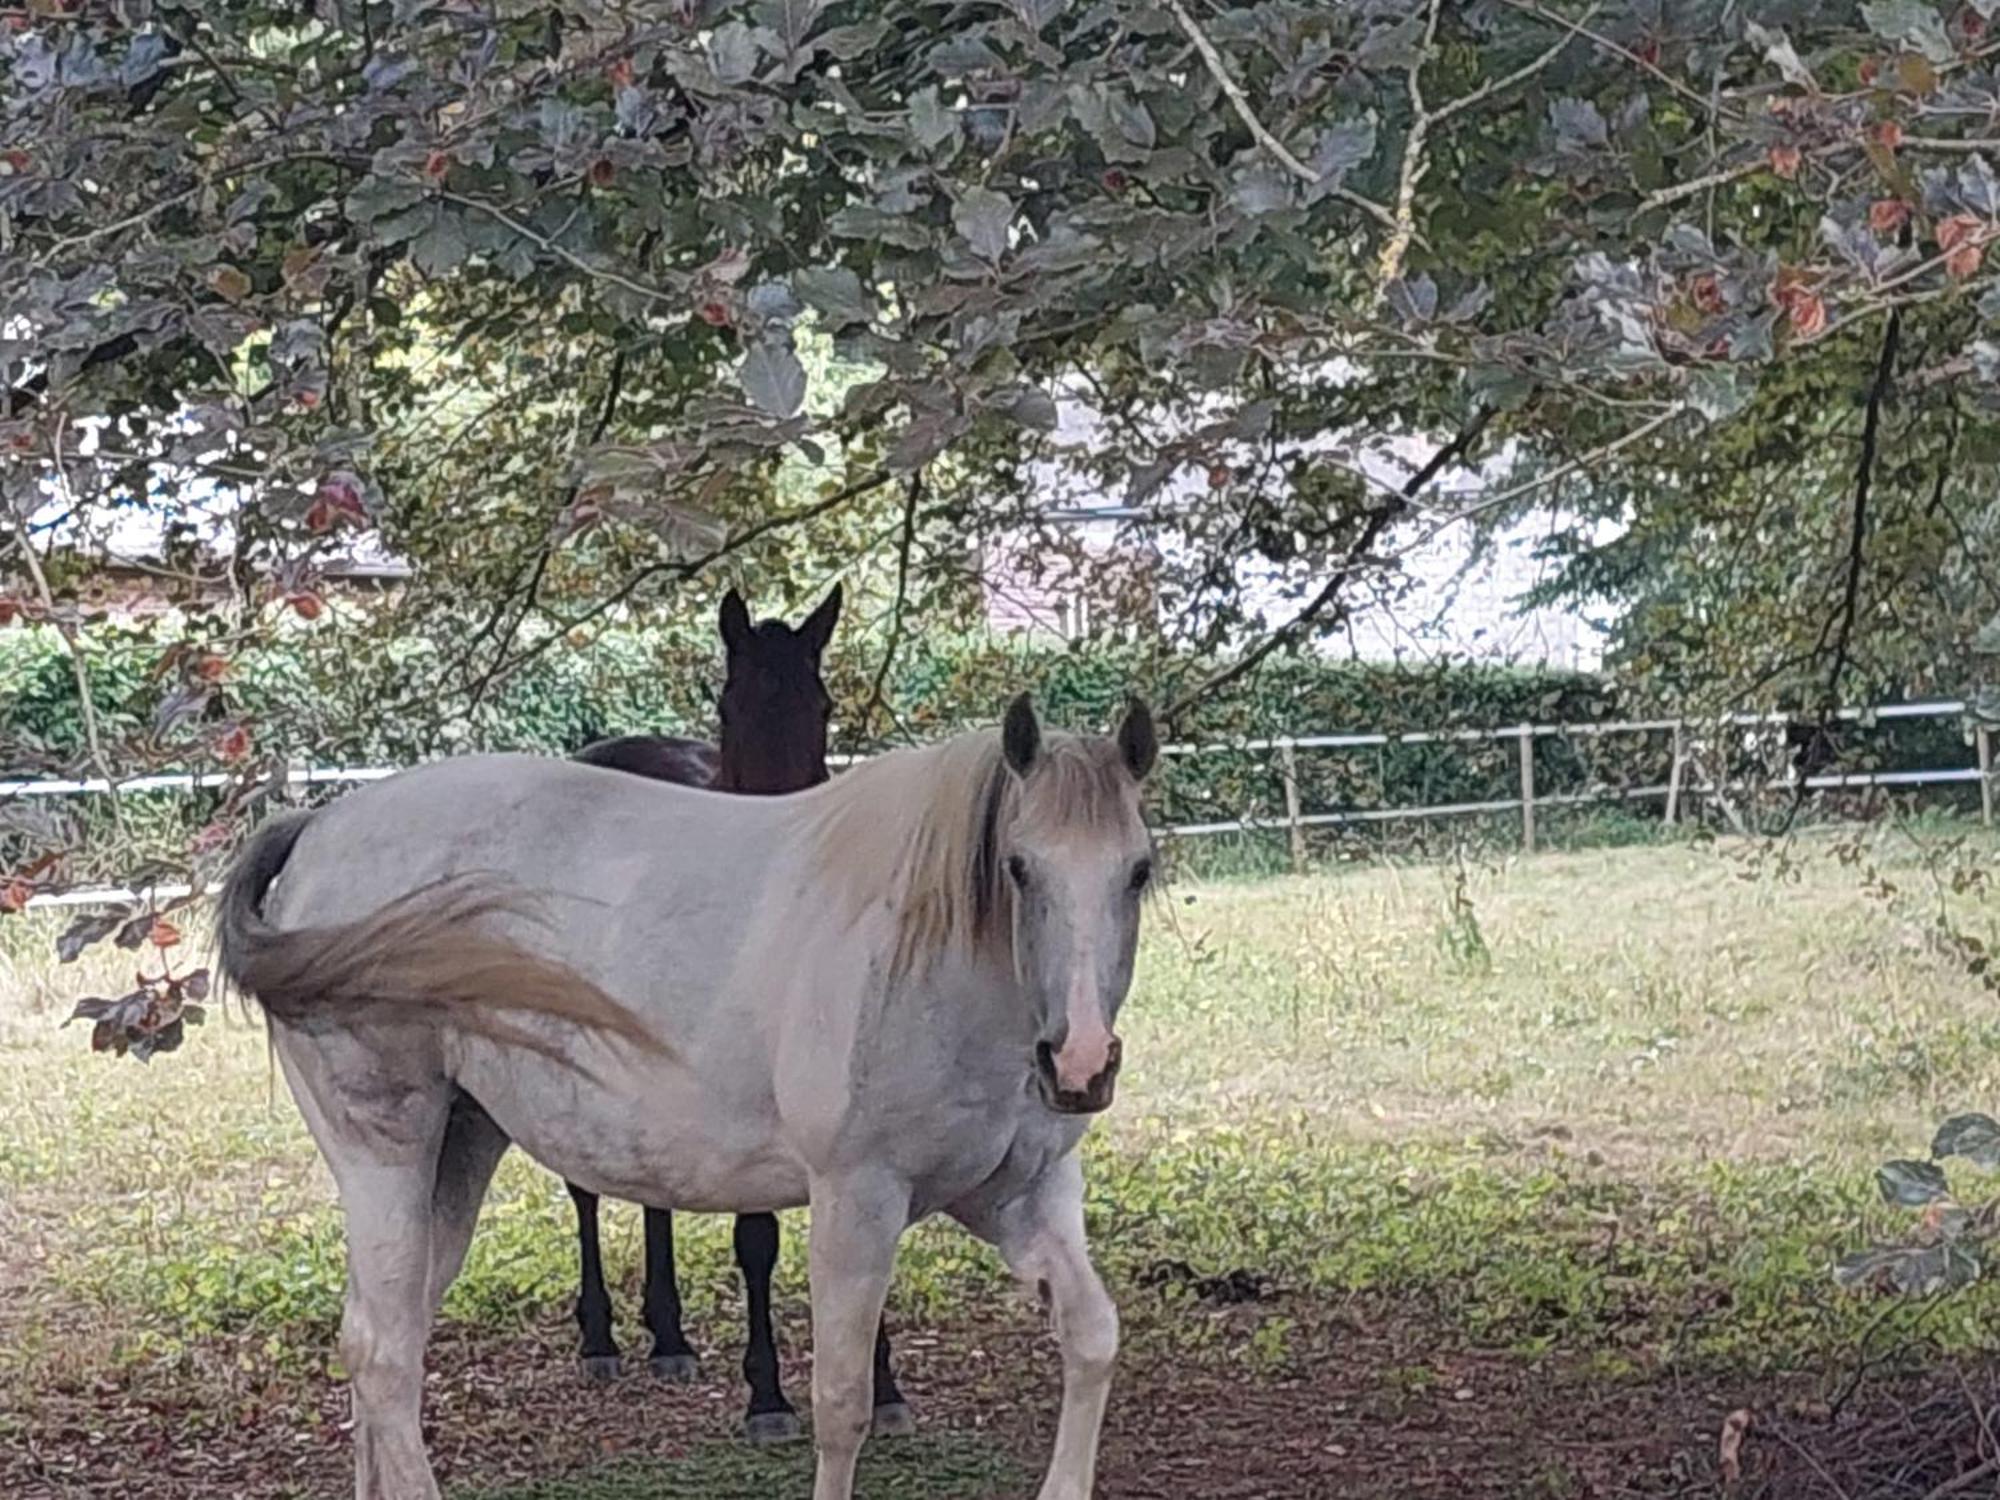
742 775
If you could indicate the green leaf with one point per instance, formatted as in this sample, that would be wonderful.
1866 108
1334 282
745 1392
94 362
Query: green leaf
1911 1184
984 217
732 54
405 225
1499 386
1779 53
1341 148
1578 124
923 440
1398 45
860 221
1261 188
792 21
836 294
1912 1270
850 42
1910 23
1975 1137
1034 408
1131 118
374 197
1866 1267
1719 392
441 248
932 122
774 380
1035 14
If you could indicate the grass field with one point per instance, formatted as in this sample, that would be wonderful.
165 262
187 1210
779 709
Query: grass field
1594 1117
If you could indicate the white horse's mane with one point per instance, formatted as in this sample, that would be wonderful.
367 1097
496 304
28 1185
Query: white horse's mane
922 832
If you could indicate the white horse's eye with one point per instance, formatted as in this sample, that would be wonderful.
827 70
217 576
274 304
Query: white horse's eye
1017 870
1142 874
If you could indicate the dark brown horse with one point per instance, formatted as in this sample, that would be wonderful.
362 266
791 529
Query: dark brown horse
775 709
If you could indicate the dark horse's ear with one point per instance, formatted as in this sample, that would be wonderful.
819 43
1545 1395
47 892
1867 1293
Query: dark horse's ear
735 621
1021 736
1138 742
818 627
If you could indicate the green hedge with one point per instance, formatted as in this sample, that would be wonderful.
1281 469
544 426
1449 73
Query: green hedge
320 696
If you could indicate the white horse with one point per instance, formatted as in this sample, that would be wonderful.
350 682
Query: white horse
888 996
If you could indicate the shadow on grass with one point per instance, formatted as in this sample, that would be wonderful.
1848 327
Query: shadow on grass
925 1468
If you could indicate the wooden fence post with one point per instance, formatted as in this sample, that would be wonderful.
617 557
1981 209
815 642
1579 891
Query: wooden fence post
1674 778
1527 741
1985 737
1288 768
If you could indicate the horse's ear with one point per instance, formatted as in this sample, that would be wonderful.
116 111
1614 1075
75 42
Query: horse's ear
1138 741
818 627
735 621
1021 735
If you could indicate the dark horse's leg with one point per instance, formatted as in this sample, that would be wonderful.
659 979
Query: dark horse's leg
599 1352
673 1358
892 1413
771 1417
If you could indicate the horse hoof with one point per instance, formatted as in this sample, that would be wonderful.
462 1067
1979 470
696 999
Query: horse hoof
894 1419
601 1369
674 1369
772 1427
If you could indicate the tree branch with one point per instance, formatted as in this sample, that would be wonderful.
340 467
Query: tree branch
1694 187
1965 1481
1562 471
914 490
1389 264
1693 96
86 708
1378 521
873 480
614 387
1492 86
563 252
1864 483
1239 101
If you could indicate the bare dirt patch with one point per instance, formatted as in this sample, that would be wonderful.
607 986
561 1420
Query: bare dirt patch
1363 1414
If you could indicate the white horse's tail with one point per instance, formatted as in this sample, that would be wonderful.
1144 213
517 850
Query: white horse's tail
421 958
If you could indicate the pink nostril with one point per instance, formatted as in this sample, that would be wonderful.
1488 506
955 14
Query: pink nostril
1084 1058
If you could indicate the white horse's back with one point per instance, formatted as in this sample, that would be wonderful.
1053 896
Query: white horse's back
647 889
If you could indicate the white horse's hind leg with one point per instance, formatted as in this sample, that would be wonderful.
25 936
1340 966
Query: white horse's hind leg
855 1227
385 1324
1041 1237
381 1119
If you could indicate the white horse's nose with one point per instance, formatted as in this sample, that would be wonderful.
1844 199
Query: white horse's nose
1082 1057
1080 1080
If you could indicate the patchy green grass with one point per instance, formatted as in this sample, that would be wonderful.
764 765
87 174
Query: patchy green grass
1620 1104
924 1468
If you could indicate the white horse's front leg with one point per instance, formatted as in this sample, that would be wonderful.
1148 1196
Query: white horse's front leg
856 1223
1041 1237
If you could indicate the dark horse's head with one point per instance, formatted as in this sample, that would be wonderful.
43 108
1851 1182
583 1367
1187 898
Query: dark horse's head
775 707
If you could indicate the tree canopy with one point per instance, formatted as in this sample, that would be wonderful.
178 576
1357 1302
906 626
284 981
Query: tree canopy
534 290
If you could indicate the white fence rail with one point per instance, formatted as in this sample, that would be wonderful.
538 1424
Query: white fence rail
1688 774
